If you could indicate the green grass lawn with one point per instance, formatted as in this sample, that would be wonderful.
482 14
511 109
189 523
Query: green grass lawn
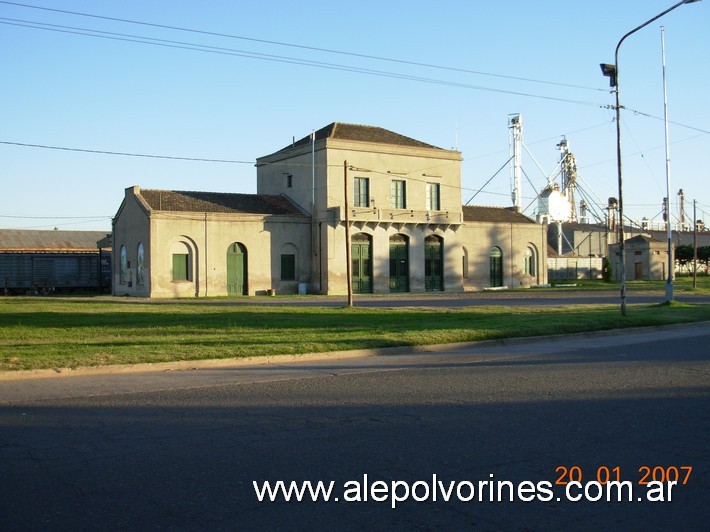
60 332
681 284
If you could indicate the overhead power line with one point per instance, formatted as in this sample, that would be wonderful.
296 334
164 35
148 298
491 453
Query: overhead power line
87 32
305 62
125 154
270 57
54 217
707 132
300 46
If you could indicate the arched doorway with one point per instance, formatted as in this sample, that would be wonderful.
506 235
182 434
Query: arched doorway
496 256
433 263
399 263
361 257
237 270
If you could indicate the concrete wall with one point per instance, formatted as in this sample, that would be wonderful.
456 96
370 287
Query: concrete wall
207 240
131 228
592 240
380 164
559 268
206 237
334 261
478 238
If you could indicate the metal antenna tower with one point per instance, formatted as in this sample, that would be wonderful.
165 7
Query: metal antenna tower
568 176
515 127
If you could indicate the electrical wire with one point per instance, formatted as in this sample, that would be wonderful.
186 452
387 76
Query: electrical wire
124 154
704 131
271 57
489 180
90 218
299 46
282 59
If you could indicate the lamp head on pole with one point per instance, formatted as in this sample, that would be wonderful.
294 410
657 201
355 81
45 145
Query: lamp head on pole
610 71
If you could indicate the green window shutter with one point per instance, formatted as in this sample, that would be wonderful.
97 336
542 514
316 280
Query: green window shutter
358 184
432 197
288 267
180 267
399 194
362 192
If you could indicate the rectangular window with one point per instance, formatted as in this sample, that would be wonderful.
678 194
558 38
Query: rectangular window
362 192
432 197
288 267
399 194
180 269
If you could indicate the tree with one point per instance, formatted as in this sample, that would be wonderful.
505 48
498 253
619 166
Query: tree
704 254
684 255
607 270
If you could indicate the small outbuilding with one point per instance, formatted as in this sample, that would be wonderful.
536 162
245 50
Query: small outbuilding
646 259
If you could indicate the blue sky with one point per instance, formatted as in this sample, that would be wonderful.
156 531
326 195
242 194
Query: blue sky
540 59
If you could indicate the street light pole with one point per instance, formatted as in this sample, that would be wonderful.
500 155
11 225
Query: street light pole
612 72
669 234
348 262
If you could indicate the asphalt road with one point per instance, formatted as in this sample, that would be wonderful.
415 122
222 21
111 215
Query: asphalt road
180 450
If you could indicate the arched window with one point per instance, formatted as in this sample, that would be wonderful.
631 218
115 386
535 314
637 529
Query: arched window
433 263
496 266
123 266
530 262
399 263
289 262
140 265
361 263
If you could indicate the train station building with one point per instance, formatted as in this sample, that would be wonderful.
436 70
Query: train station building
390 203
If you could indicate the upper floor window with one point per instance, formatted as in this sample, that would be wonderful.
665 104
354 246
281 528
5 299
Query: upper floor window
433 202
362 192
399 194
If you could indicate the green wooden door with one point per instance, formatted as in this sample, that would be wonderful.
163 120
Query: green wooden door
496 267
399 265
361 257
433 264
237 270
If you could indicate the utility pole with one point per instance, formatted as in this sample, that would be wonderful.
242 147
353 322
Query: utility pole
671 262
695 248
348 264
612 72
